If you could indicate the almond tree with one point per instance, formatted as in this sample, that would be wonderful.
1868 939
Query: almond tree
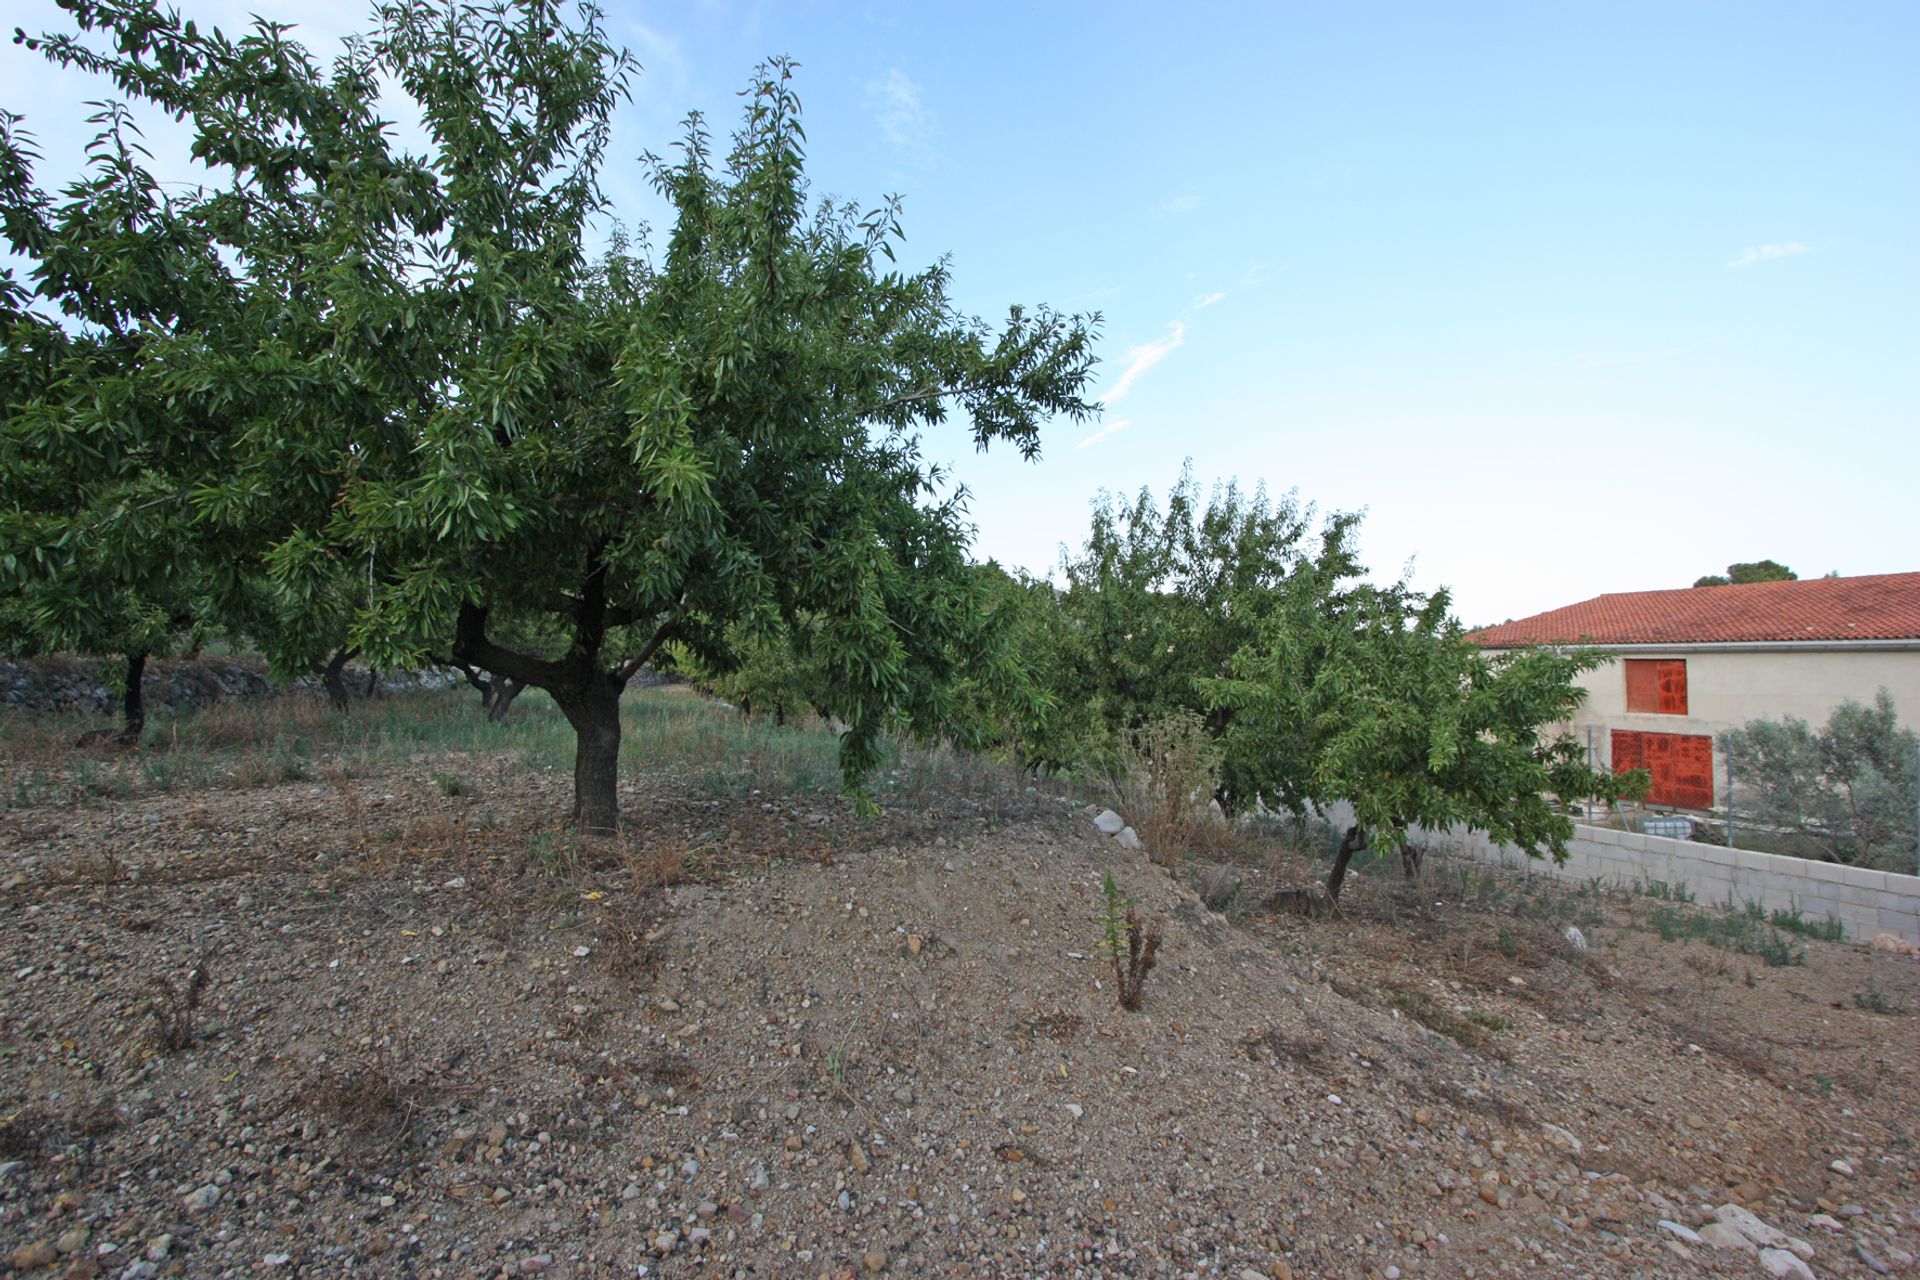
1378 701
435 411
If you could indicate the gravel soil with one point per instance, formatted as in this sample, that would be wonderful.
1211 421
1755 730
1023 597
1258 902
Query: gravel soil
358 1026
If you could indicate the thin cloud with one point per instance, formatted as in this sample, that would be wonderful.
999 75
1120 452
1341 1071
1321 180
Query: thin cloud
1768 252
894 102
1186 203
1117 425
1201 304
1144 357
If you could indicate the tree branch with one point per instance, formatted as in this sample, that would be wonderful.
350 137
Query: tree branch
471 646
628 669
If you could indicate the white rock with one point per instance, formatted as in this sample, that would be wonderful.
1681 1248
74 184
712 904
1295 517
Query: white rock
1563 1139
1722 1236
1576 939
1075 1110
204 1198
1686 1233
1127 839
1109 822
1778 1262
1799 1248
1751 1227
1842 1168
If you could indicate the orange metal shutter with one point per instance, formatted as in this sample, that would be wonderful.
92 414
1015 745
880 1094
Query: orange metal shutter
1643 684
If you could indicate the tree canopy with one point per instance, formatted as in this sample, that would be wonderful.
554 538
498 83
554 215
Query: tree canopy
1750 571
430 418
1847 789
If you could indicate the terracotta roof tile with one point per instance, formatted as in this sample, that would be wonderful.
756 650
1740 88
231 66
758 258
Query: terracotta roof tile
1883 606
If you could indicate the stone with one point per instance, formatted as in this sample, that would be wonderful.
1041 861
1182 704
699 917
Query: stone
159 1248
665 1242
1127 839
31 1257
199 1201
1560 1137
914 943
9 1168
1722 1236
904 1095
1685 1233
73 1239
1895 943
1842 1168
535 1264
1870 1262
1750 1226
1576 939
857 1157
1109 822
1826 1222
874 1260
1784 1265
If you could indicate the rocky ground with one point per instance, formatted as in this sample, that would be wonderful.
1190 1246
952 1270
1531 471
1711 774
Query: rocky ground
396 1025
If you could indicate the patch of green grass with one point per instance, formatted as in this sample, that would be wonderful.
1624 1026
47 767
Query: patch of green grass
1874 1000
1506 943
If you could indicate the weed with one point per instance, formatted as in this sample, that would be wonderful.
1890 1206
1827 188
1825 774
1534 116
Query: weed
1169 786
1133 947
1874 1000
173 1008
1219 887
364 1095
452 785
1776 951
1472 1028
1830 929
673 1071
1506 943
1663 891
557 853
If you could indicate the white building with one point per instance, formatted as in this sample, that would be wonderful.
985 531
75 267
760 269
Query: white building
1697 662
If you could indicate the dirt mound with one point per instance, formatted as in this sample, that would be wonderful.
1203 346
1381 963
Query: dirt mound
436 1037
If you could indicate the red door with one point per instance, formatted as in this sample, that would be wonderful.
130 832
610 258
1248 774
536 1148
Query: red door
1681 765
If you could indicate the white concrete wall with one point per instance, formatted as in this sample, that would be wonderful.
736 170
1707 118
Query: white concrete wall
1867 902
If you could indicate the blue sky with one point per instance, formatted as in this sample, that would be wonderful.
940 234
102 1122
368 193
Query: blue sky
1570 300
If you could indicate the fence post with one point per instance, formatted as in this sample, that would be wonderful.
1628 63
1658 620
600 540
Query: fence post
1729 798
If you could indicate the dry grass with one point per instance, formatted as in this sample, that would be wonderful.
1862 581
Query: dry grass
1167 790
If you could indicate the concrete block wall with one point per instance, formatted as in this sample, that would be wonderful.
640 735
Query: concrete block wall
1866 902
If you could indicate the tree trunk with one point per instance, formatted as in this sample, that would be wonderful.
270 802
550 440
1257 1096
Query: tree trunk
1354 841
134 702
1411 856
333 676
594 713
500 697
373 682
